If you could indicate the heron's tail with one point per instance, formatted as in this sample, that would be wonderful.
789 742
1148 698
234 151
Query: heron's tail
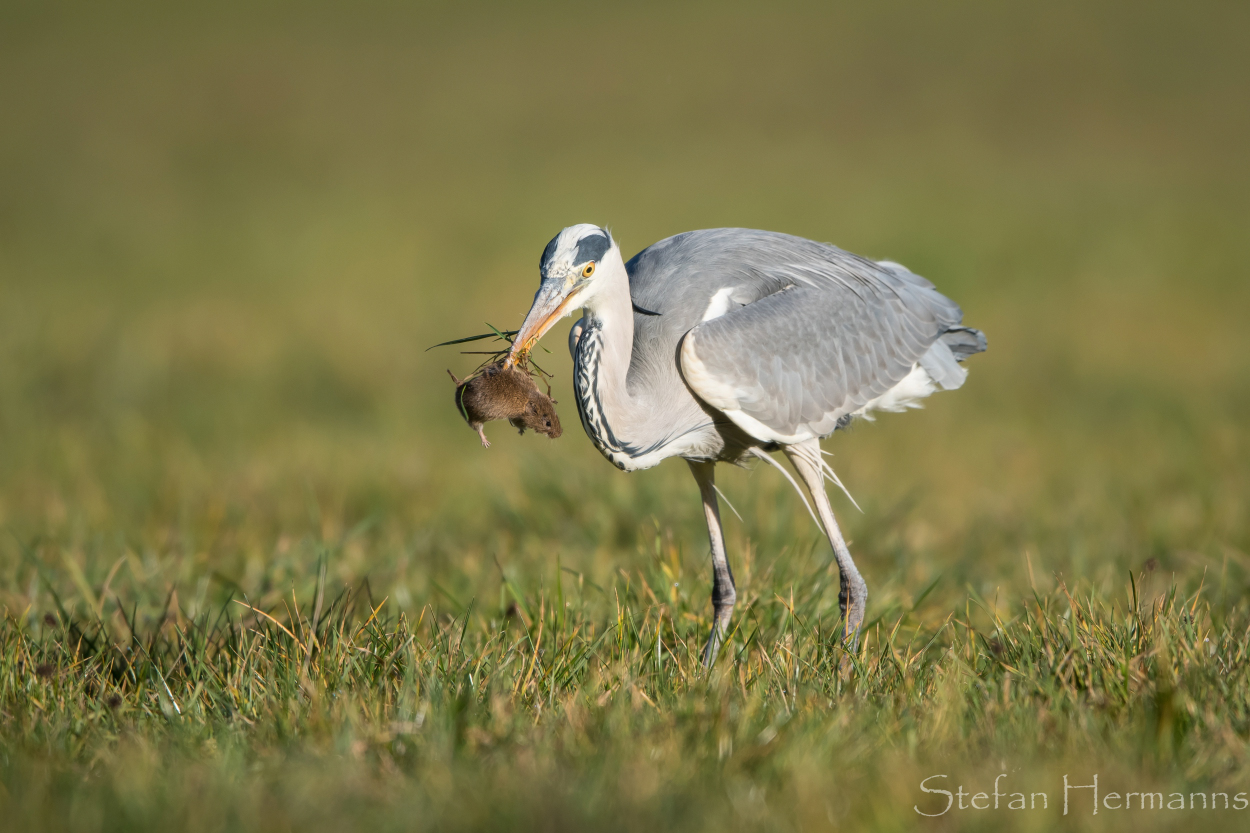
942 359
964 342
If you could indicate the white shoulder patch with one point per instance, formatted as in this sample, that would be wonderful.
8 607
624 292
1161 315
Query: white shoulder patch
721 303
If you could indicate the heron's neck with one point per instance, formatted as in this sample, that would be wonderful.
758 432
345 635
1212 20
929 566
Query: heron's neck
622 425
611 315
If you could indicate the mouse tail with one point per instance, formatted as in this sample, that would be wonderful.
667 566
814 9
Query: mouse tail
460 400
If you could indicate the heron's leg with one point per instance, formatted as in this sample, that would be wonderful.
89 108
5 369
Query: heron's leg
723 593
853 592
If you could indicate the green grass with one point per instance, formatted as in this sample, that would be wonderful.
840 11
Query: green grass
256 573
563 715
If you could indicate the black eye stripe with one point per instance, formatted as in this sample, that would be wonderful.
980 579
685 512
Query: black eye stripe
592 247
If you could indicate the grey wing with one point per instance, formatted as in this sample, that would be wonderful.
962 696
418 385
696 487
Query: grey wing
840 335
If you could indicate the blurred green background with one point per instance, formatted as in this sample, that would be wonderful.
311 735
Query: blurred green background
229 232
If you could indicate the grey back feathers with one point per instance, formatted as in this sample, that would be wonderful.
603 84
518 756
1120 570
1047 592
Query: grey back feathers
798 334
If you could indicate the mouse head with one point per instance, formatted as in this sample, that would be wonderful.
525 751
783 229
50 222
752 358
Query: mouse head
540 414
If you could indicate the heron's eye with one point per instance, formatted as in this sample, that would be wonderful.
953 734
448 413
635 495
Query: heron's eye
588 269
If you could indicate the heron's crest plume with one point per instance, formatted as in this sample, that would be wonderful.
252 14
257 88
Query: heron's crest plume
573 247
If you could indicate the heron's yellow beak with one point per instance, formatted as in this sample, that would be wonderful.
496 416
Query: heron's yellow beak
553 301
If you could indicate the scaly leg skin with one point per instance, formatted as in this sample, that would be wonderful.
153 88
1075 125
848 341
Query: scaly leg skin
481 432
852 592
724 595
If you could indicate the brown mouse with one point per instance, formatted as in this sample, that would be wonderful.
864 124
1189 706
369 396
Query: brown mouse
509 393
539 414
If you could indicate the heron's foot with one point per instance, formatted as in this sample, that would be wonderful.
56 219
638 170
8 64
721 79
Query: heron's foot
720 629
850 636
853 601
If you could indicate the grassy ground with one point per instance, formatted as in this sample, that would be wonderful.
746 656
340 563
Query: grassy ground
256 574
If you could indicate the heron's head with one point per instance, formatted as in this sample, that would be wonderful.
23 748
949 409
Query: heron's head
574 268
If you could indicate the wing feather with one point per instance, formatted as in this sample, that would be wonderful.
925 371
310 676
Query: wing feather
813 332
795 362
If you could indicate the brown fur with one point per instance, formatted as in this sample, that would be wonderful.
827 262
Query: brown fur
505 393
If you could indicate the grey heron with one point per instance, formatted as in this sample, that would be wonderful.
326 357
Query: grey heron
721 345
